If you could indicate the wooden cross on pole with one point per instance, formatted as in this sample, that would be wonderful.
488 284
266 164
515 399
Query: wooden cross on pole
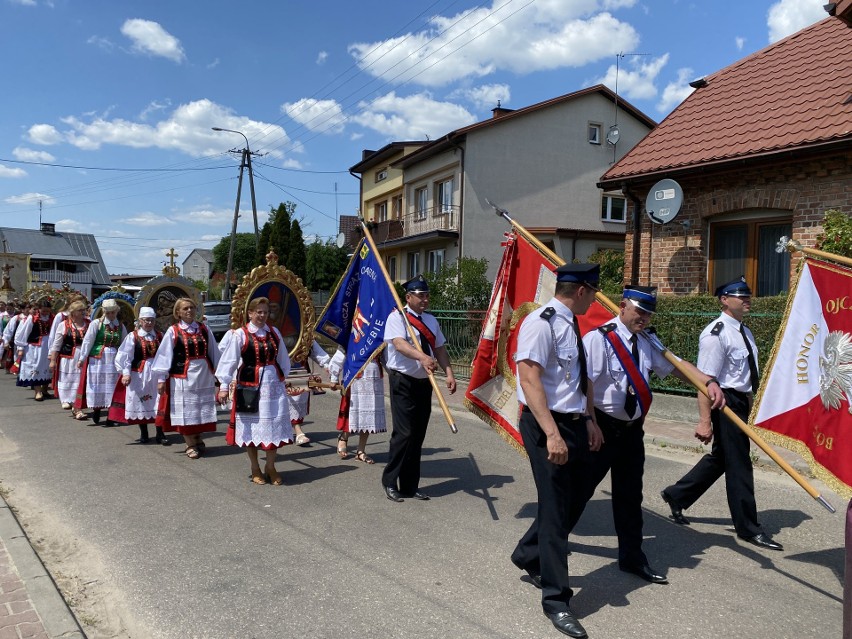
171 269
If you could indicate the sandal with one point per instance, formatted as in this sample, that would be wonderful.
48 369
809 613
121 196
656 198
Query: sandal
258 480
361 456
202 447
79 415
274 478
302 439
342 452
192 452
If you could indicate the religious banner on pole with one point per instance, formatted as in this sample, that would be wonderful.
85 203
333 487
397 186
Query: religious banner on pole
357 311
525 281
805 401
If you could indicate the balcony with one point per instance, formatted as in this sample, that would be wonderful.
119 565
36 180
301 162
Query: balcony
56 276
432 219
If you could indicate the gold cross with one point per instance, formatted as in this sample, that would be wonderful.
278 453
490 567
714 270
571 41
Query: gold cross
171 255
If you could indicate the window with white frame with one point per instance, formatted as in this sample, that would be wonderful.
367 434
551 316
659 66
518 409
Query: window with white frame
594 133
381 174
396 208
413 264
391 264
434 260
613 208
381 212
421 203
444 197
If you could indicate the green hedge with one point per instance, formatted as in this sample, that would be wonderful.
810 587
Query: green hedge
679 321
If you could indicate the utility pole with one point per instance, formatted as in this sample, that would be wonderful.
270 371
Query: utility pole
245 162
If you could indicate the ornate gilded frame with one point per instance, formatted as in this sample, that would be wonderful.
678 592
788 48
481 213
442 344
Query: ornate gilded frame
286 291
161 293
126 314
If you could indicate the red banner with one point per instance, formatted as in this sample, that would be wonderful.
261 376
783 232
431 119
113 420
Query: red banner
804 403
524 282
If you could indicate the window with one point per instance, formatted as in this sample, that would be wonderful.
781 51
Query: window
613 208
391 264
413 264
381 214
421 202
594 133
381 174
396 207
747 247
435 260
444 197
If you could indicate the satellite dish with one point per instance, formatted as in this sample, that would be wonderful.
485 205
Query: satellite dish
664 201
341 240
613 135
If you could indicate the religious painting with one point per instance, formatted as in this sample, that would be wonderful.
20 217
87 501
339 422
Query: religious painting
161 293
126 314
291 309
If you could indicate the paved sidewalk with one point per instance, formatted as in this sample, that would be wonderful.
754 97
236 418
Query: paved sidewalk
31 606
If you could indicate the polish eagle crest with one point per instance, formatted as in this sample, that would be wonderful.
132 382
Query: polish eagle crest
835 380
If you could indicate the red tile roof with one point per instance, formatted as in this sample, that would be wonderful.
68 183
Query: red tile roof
794 94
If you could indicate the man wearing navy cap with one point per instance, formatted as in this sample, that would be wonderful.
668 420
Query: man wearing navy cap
410 388
558 431
727 352
622 353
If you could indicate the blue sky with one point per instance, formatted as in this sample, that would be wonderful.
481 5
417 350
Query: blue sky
108 106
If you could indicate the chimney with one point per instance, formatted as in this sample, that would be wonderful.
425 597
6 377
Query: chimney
499 111
48 228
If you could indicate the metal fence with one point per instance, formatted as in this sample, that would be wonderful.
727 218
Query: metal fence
462 329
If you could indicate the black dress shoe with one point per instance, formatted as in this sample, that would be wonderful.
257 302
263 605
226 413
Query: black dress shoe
645 572
763 541
535 579
416 495
567 624
677 511
96 415
393 494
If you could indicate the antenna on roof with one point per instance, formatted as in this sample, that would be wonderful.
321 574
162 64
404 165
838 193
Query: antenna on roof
614 134
39 213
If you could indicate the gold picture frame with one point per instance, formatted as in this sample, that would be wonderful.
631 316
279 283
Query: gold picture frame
161 293
291 309
126 314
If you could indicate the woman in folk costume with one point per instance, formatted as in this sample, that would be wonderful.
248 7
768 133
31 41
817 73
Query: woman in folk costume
184 367
9 338
32 342
362 408
67 340
135 397
257 359
300 398
9 324
96 361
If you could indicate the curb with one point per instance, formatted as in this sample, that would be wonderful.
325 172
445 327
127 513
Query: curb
51 607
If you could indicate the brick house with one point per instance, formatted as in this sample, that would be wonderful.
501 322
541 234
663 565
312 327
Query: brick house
761 149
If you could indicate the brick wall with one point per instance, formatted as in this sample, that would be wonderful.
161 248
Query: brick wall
673 257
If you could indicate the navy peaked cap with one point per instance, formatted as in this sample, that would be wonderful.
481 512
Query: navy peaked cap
579 273
734 288
644 297
416 285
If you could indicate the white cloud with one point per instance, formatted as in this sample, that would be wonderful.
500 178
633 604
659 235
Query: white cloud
210 217
214 64
153 107
785 17
291 163
26 3
210 238
740 42
636 76
676 92
44 134
146 219
413 117
9 172
29 198
549 34
322 56
101 42
484 96
149 37
73 226
30 155
188 129
324 116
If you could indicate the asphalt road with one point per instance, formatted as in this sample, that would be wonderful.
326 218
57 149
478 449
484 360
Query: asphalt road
192 549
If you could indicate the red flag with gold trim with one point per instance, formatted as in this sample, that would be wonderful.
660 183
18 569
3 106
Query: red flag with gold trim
805 401
524 282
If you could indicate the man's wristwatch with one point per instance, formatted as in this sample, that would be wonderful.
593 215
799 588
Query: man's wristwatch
712 380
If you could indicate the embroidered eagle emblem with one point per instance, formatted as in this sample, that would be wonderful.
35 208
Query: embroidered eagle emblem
835 380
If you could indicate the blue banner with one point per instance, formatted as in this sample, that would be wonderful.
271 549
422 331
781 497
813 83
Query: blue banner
356 314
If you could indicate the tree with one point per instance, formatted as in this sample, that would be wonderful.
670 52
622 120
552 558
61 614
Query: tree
280 221
244 252
836 236
263 245
296 257
324 265
460 285
612 269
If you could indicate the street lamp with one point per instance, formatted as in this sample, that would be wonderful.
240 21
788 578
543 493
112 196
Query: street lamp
245 161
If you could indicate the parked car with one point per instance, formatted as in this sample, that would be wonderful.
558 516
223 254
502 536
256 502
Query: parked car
217 315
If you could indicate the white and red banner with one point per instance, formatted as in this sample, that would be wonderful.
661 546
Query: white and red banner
524 282
805 399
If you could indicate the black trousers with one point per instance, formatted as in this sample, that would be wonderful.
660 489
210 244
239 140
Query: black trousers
729 456
544 547
411 405
622 453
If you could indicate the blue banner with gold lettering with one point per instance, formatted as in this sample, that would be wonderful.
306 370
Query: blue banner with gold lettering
356 314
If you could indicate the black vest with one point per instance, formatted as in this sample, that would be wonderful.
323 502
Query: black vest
256 354
186 348
139 344
72 338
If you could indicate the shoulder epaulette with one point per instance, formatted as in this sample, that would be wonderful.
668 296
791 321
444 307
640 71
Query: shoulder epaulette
607 328
718 328
548 313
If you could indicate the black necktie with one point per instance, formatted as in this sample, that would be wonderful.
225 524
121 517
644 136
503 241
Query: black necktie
630 399
581 355
424 343
752 364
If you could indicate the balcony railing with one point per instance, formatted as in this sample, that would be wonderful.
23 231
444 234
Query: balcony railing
432 219
55 276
